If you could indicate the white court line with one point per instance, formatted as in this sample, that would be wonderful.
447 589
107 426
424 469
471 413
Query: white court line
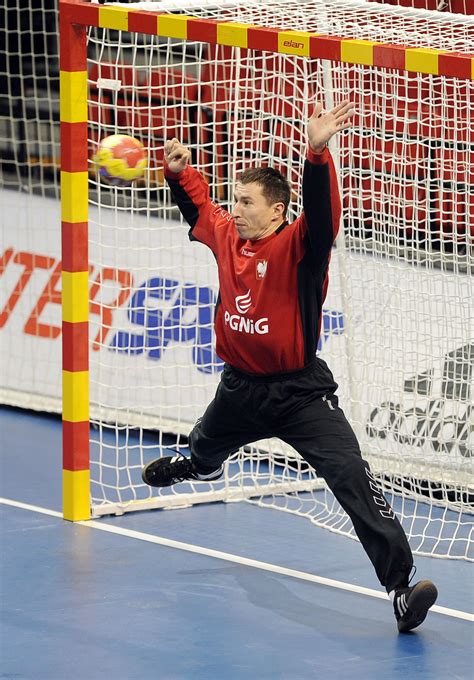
228 557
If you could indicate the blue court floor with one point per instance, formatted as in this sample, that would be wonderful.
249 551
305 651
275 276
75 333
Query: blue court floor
81 603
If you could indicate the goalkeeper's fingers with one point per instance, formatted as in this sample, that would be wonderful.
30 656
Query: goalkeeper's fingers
318 107
170 144
178 153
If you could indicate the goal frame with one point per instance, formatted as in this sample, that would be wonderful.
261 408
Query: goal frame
75 18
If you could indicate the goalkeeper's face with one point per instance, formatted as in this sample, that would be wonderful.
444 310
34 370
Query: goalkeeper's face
254 216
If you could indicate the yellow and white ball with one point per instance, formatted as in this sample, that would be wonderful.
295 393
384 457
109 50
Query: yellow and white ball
120 160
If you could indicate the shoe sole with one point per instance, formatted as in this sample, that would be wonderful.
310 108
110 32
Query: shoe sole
421 599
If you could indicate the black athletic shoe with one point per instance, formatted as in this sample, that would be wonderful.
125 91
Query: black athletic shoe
173 469
411 604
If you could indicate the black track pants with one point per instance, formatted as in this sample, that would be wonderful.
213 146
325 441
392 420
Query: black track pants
301 408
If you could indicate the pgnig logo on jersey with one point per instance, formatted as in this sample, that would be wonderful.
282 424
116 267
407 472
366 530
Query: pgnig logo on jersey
243 324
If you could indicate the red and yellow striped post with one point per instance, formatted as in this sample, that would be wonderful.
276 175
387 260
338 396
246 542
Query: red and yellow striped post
75 288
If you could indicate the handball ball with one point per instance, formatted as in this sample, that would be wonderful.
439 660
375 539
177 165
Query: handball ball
120 160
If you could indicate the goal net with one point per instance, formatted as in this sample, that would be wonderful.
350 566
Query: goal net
397 326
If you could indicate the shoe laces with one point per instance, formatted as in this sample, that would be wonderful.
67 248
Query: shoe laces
411 576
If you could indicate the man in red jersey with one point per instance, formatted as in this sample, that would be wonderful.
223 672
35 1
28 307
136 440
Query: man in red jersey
273 279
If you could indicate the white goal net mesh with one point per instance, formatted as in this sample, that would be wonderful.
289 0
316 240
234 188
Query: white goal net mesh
398 329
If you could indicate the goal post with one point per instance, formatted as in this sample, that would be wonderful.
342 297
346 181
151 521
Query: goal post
75 265
236 83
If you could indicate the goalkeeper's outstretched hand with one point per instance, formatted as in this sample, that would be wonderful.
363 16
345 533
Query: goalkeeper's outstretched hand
176 155
322 126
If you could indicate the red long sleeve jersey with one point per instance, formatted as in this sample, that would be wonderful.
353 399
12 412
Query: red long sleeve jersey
269 309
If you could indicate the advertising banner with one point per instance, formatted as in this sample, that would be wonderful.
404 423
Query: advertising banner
397 336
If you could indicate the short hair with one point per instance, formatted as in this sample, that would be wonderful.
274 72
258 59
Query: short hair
275 187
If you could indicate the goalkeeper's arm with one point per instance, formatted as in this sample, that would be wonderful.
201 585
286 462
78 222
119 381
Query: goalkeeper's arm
321 201
190 192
